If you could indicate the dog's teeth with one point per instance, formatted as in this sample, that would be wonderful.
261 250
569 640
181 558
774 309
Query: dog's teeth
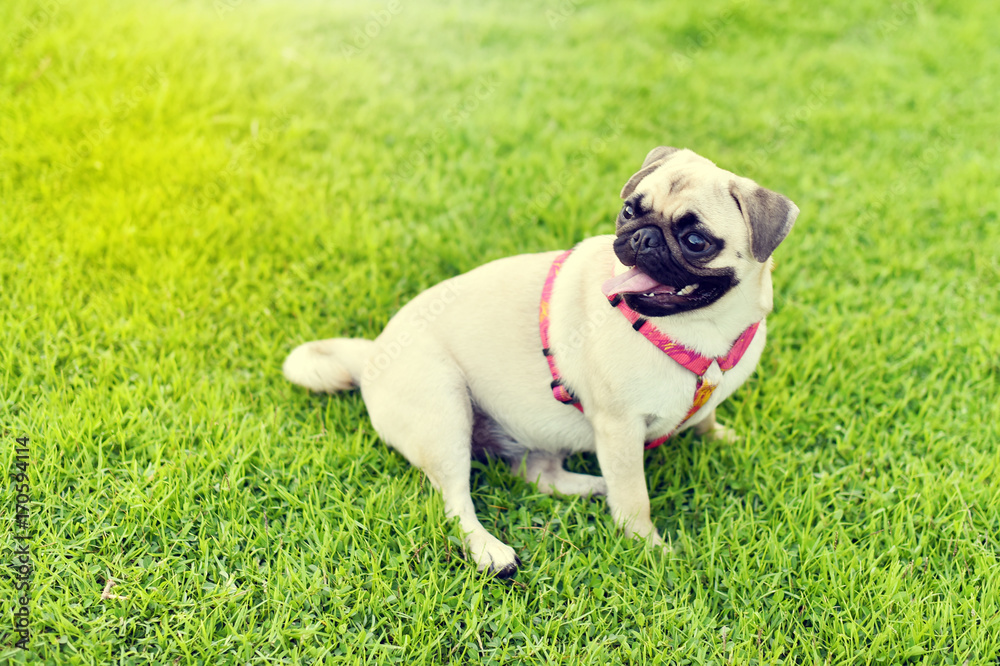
687 290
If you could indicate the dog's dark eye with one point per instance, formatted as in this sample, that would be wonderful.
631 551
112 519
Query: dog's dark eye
628 212
695 243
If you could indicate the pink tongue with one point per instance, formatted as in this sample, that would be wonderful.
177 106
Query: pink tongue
630 282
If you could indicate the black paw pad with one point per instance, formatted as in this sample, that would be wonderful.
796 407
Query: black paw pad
506 572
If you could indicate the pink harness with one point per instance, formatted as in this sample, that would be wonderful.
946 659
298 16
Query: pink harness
688 358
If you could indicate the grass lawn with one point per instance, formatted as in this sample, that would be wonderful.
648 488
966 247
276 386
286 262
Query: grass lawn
189 189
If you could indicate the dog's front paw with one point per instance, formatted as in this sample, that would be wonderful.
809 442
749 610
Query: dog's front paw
652 537
639 529
491 554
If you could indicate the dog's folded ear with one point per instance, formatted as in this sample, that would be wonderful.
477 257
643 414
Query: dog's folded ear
768 215
654 159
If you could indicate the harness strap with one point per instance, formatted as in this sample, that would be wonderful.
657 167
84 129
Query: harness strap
689 358
700 365
560 392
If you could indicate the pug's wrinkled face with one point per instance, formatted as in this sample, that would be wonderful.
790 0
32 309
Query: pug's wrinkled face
691 232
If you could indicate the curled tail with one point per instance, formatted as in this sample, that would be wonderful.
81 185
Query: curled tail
330 365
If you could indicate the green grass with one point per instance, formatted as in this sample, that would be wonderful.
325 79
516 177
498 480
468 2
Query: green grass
190 189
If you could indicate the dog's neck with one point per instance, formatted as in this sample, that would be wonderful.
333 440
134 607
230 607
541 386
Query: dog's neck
711 330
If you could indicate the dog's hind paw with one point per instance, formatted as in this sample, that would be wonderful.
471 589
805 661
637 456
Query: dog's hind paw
720 433
547 473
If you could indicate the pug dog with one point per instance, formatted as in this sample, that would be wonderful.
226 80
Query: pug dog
611 347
